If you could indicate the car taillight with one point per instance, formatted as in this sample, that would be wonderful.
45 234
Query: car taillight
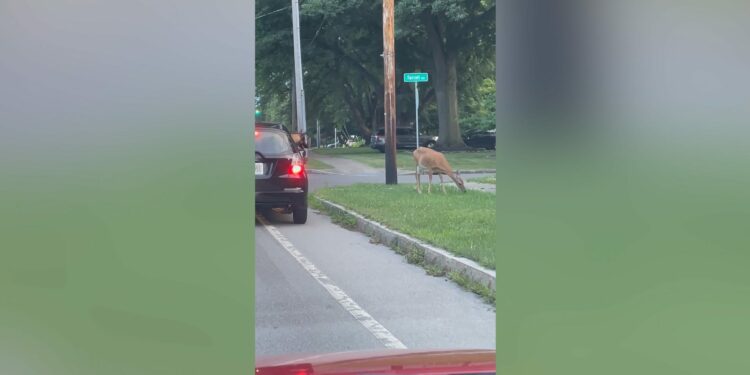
297 165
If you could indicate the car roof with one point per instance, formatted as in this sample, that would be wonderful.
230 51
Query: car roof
272 125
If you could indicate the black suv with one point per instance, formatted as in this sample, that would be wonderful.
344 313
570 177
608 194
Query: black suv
280 175
405 138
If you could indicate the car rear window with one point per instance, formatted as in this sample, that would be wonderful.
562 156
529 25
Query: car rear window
269 142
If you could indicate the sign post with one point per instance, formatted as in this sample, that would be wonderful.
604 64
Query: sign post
416 78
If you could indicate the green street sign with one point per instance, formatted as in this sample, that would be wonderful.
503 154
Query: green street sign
415 77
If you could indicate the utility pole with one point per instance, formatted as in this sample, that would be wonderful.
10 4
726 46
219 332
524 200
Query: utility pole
389 101
293 96
317 131
299 89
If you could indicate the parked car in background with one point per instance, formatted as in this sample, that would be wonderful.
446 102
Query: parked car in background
405 138
482 139
280 175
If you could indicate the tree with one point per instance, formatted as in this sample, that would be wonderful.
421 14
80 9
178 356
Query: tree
460 34
341 52
340 58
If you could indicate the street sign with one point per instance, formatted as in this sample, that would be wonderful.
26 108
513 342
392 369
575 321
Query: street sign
415 77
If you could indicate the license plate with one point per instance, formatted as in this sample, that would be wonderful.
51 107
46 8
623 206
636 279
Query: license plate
258 168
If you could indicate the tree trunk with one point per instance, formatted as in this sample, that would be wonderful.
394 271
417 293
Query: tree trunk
445 83
377 111
354 103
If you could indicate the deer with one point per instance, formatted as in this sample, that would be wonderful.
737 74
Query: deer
434 162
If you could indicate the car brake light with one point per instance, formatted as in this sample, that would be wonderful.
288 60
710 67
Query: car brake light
297 165
257 133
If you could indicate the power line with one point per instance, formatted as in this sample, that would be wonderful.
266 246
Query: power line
275 11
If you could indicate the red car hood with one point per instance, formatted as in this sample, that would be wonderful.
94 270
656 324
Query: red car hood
392 361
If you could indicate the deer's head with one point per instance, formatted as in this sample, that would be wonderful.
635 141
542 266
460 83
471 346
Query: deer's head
459 181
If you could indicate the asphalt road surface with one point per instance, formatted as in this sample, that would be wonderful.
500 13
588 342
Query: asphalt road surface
321 288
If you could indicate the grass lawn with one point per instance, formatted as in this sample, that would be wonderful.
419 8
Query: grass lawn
313 163
404 159
484 180
461 223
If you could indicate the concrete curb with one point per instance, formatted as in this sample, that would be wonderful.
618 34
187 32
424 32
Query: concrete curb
432 255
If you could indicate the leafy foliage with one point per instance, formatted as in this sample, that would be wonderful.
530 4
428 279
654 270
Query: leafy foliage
341 51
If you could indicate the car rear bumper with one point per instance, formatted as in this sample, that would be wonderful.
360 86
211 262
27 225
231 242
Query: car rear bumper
281 199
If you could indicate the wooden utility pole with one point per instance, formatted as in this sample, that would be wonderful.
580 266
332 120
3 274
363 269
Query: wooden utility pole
389 101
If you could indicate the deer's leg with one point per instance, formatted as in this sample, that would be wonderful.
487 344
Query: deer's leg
419 188
429 187
441 183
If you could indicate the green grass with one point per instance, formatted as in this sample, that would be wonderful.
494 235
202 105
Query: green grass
484 180
404 160
461 223
313 163
481 290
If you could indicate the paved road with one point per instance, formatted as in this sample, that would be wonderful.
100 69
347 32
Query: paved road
322 288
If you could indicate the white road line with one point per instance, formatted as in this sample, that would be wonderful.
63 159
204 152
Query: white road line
372 325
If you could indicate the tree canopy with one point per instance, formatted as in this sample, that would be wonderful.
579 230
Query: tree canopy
342 61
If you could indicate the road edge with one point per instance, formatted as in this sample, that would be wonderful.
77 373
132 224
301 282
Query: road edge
432 255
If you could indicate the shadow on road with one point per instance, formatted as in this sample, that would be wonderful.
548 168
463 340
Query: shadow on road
275 217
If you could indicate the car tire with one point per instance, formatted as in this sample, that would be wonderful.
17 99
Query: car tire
299 215
381 149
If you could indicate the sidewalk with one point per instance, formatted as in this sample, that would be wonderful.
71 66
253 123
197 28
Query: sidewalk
487 188
350 167
346 166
